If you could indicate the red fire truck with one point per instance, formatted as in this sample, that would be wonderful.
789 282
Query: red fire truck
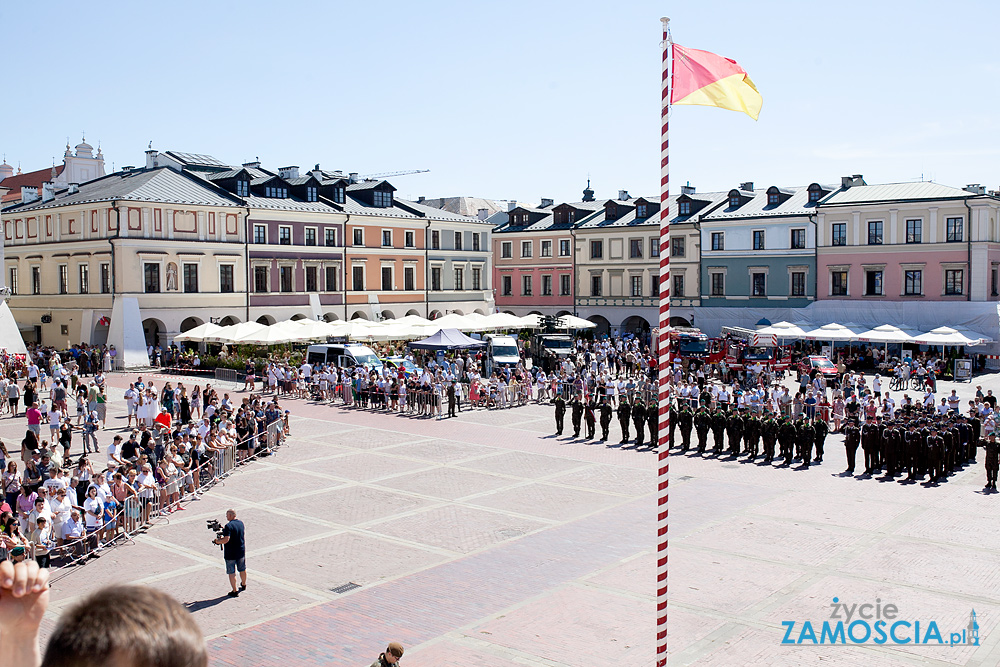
746 348
690 344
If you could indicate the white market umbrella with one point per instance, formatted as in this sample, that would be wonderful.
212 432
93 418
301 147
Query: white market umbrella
885 333
832 332
275 334
357 328
456 321
574 322
232 332
413 319
945 336
783 330
198 333
505 321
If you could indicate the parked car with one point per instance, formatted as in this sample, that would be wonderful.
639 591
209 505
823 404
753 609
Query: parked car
819 364
410 369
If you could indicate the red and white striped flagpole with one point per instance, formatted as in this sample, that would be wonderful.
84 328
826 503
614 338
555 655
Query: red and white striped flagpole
663 451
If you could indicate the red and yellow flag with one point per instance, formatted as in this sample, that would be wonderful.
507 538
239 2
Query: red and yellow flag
707 79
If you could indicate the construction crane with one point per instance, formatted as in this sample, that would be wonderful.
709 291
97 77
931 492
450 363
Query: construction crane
389 174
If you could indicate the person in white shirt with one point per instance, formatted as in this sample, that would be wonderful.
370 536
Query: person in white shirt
130 403
60 508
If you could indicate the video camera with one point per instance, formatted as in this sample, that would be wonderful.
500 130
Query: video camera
214 525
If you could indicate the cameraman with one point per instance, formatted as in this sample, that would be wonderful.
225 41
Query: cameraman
234 551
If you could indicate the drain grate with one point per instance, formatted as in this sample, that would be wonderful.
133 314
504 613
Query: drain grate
345 588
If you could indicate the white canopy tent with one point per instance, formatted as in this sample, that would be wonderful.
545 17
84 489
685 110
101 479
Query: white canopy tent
885 333
569 322
945 336
504 321
198 333
275 334
234 331
783 330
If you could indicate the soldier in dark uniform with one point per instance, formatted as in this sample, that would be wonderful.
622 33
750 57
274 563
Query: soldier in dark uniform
653 422
992 448
686 422
673 424
805 436
718 430
786 439
702 423
639 421
606 412
624 417
870 436
935 454
577 415
977 430
590 418
852 437
950 441
965 432
907 446
769 434
560 413
751 435
734 430
820 428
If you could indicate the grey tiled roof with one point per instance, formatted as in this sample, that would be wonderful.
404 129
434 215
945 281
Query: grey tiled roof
434 213
894 191
757 207
354 207
196 159
162 185
222 175
364 185
289 204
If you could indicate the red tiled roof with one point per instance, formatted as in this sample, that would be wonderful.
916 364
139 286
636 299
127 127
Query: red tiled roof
32 179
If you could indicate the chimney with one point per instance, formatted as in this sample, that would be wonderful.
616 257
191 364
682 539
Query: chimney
687 189
547 202
317 172
288 172
511 205
623 195
252 165
352 177
975 188
48 191
851 181
747 187
28 194
483 213
128 168
151 162
421 199
74 188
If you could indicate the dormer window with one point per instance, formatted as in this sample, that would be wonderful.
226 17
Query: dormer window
382 199
611 212
338 194
814 195
683 208
311 193
734 201
571 216
274 192
242 188
640 210
772 199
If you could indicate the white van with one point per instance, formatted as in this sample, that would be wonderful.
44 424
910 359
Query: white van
343 354
502 350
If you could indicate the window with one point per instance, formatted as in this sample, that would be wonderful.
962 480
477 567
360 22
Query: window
105 278
226 282
84 278
383 198
595 286
526 285
311 193
409 278
458 240
838 233
994 282
838 283
654 284
275 192
913 283
875 232
873 283
151 277
759 284
954 281
654 246
285 278
36 280
359 236
683 208
459 279
436 278
718 240
758 239
358 278
312 279
641 210
330 236
476 241
546 249
564 247
284 235
914 231
678 279
386 238
477 277
190 277
635 248
408 240
953 230
242 188
596 249
636 286
260 233
260 279
798 239
525 248
506 282
718 284
677 246
506 250
338 194
798 283
386 278
12 280
331 278
814 195
564 284
546 285
310 236
734 201
772 199
435 240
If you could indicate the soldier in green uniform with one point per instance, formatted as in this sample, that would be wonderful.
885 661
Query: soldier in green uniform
935 454
606 412
639 421
702 423
734 430
786 439
769 434
718 430
751 435
624 417
590 418
820 428
852 438
992 448
687 421
577 415
673 424
805 437
977 430
653 422
560 413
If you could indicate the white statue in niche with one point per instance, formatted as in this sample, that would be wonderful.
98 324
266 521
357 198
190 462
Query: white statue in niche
171 277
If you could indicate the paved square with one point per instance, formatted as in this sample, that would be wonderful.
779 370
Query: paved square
486 541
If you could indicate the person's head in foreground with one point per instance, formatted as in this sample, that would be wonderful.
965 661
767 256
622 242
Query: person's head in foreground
138 627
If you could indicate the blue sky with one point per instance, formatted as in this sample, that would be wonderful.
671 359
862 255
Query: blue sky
514 100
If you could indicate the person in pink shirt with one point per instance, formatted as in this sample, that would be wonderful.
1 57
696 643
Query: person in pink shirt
34 416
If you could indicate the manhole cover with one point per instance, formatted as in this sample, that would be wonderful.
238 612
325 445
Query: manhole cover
344 588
